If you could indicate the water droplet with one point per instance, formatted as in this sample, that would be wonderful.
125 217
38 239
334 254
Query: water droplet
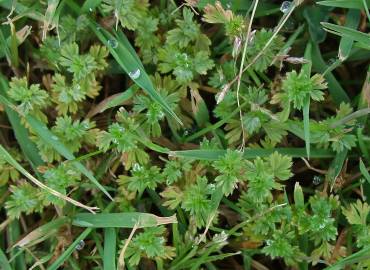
55 138
359 125
135 74
136 167
331 61
316 180
186 133
113 43
90 9
285 6
85 125
251 37
80 245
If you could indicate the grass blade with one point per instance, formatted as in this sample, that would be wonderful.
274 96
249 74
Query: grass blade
346 43
110 242
21 133
252 153
338 94
344 31
306 126
336 167
306 106
127 58
357 4
364 171
61 259
121 220
359 256
41 233
112 101
49 15
4 261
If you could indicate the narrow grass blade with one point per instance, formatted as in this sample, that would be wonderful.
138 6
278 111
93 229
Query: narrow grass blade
41 233
346 43
4 49
8 158
110 249
347 32
357 4
4 261
23 10
364 171
49 15
28 148
350 117
65 255
336 166
366 7
338 94
359 256
121 220
17 258
252 153
49 138
90 5
306 106
306 126
127 58
113 101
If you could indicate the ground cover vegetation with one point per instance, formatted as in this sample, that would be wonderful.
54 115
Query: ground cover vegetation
195 134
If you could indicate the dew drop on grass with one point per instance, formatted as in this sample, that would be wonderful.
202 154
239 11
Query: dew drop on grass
135 74
285 6
316 180
113 43
331 61
90 9
80 245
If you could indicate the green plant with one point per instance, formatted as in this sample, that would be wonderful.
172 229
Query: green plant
205 135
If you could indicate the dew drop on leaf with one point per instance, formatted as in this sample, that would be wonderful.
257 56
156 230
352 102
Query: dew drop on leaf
135 74
285 6
113 43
